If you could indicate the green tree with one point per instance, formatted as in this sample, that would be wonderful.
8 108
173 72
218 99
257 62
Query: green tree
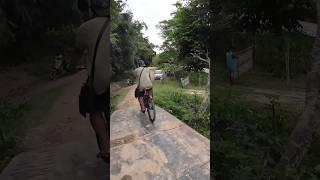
187 32
25 23
128 43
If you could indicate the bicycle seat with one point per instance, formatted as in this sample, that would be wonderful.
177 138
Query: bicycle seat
147 89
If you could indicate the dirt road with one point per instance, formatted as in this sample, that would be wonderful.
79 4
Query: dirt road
62 123
62 145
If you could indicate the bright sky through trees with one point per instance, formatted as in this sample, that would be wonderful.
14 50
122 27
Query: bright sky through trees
151 12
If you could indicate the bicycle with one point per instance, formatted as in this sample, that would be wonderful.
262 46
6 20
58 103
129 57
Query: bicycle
149 104
60 67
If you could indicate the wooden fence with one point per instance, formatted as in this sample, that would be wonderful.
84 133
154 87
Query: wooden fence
244 61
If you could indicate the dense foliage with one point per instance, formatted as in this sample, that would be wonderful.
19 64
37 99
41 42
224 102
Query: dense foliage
39 28
24 26
182 105
248 137
186 33
128 43
261 16
271 30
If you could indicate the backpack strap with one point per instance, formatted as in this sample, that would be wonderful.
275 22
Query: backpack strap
91 76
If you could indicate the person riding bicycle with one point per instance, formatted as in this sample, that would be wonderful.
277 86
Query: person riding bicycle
58 62
231 61
143 82
87 42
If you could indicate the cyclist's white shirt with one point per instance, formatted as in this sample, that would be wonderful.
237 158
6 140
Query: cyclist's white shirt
145 81
86 40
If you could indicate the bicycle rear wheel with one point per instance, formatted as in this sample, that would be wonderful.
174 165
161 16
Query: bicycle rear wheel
151 109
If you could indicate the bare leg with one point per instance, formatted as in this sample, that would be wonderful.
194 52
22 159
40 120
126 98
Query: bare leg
140 99
101 129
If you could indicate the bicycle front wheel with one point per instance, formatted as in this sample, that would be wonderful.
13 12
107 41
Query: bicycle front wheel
151 111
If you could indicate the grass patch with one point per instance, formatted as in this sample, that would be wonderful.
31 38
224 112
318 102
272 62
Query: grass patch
198 79
116 98
12 124
175 84
174 99
248 138
16 117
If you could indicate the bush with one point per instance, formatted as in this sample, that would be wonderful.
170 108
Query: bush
272 51
198 78
62 38
157 60
247 144
123 76
10 129
181 74
223 39
184 107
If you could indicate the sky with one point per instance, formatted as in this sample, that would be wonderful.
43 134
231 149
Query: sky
151 12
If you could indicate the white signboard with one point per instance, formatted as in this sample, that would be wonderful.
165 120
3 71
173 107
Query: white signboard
184 81
308 28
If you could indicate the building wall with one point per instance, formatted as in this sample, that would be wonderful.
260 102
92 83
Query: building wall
244 62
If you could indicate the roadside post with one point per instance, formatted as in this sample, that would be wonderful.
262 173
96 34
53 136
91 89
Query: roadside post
184 81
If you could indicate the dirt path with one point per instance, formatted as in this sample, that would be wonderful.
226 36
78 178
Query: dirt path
15 83
62 145
261 95
129 100
62 123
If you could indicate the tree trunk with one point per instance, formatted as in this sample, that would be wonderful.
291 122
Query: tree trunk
287 60
308 124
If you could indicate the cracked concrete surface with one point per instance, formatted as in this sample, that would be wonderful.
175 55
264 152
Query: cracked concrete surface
169 149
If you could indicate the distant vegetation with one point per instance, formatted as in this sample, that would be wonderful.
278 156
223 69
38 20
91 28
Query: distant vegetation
128 43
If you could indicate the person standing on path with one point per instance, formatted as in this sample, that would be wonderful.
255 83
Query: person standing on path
93 37
231 61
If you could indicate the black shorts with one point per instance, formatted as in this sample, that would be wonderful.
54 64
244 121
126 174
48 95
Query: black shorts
141 93
100 102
